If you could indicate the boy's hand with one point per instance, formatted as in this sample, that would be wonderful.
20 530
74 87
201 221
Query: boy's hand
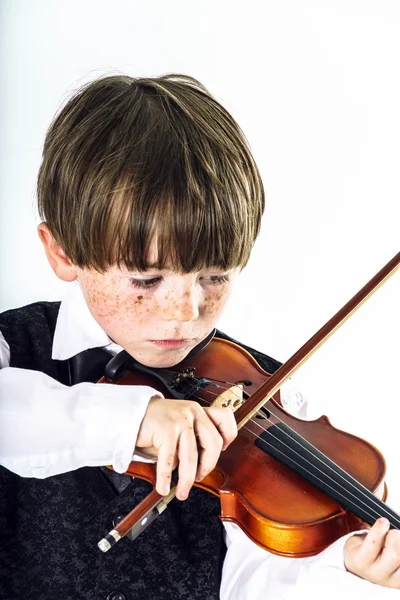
181 431
375 556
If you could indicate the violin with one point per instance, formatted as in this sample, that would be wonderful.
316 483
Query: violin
293 486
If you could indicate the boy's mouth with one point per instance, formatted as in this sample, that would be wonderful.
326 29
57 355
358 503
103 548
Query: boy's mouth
171 343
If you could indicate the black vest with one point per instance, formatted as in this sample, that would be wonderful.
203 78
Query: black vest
50 527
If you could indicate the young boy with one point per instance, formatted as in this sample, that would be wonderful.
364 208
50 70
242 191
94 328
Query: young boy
151 203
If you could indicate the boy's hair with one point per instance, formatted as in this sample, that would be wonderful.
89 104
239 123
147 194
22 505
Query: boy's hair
130 159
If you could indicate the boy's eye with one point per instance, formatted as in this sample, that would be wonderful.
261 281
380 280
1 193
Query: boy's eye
218 279
145 283
149 283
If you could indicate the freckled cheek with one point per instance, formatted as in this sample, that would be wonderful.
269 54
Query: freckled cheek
114 307
215 303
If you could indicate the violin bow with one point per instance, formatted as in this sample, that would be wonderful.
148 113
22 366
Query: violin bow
154 504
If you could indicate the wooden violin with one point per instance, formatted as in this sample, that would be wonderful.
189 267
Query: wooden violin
293 486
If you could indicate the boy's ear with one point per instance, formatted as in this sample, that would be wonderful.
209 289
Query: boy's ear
56 256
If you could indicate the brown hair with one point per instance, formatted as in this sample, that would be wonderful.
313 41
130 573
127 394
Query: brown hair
129 158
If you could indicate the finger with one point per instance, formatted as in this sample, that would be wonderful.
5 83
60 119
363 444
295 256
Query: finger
224 421
166 463
209 445
188 462
374 541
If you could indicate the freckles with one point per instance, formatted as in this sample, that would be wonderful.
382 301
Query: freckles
107 303
136 307
113 305
97 298
171 308
213 305
139 308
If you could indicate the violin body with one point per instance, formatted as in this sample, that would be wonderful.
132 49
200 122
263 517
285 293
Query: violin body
276 507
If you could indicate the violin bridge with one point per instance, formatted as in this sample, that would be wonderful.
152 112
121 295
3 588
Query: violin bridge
231 398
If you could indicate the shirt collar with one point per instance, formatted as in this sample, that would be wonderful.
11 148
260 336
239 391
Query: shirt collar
76 328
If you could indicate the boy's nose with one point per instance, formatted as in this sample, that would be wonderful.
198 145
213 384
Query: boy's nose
184 306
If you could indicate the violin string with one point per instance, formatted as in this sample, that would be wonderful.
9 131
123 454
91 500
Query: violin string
371 498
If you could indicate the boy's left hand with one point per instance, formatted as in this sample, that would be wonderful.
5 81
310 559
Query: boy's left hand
375 556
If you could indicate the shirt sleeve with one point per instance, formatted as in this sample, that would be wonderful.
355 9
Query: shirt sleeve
47 428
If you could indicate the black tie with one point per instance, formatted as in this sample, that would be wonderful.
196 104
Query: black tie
88 365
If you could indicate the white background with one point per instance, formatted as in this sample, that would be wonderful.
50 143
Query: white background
316 87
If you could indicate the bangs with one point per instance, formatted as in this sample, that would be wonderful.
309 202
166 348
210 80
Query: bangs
191 232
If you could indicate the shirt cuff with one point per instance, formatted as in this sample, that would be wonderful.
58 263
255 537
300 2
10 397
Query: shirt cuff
112 422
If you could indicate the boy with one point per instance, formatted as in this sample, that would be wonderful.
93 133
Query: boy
151 202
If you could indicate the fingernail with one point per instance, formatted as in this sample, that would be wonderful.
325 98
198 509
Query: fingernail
384 522
183 495
165 488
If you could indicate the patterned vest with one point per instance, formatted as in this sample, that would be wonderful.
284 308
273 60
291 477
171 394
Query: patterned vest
50 527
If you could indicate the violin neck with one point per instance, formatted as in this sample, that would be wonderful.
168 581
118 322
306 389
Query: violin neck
291 449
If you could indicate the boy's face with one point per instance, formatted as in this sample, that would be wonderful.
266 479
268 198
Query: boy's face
143 312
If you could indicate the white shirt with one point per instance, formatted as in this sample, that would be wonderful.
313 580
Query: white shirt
47 428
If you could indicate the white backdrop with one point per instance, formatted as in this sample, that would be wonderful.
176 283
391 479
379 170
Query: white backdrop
315 85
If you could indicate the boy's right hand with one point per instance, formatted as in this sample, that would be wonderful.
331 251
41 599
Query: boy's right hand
183 432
